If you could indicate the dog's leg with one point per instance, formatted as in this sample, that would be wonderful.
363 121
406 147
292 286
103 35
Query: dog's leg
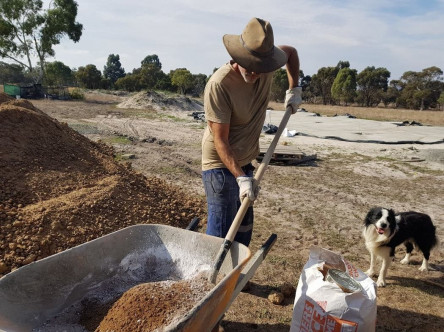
425 262
385 255
409 249
371 271
425 265
406 259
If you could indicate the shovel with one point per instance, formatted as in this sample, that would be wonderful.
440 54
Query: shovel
246 201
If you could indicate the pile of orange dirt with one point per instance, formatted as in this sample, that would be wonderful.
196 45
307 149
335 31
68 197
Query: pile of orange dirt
4 97
59 189
152 306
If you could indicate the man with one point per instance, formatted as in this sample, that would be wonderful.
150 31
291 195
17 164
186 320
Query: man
235 101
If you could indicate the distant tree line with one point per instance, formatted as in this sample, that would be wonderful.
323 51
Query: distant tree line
28 31
371 87
148 76
338 85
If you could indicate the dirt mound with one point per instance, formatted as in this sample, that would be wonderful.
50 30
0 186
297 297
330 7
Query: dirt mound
43 158
4 97
59 189
160 102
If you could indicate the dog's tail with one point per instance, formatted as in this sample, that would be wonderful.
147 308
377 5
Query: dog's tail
436 244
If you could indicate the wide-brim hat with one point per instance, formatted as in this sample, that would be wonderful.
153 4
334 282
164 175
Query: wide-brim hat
254 49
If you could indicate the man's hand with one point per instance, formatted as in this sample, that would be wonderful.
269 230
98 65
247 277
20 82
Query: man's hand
247 187
293 98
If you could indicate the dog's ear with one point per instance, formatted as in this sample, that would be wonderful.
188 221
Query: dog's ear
371 214
392 214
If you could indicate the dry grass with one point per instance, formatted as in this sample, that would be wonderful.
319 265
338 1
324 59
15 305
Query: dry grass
432 118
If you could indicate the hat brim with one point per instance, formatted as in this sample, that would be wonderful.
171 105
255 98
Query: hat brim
252 62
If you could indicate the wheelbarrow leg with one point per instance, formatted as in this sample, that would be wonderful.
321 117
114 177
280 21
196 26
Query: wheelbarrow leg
248 271
252 265
218 327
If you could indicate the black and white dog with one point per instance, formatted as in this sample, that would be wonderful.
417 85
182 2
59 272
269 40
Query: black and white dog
384 231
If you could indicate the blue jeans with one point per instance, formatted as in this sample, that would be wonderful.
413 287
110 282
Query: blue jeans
222 192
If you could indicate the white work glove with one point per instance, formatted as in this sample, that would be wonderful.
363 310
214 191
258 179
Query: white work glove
248 187
293 98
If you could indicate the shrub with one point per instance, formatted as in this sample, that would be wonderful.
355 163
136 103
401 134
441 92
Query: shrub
76 93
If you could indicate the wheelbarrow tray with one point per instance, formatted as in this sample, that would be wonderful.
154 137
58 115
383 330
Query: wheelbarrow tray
37 292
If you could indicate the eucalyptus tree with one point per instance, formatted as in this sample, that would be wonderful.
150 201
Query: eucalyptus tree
28 32
182 79
344 85
11 73
58 74
150 72
372 84
89 77
280 84
421 90
441 100
113 69
322 82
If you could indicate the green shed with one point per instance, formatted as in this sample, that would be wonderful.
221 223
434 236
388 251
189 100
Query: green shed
12 90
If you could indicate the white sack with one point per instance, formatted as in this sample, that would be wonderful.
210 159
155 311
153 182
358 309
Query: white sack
289 133
323 306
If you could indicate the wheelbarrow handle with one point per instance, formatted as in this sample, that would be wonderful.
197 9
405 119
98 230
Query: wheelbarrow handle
193 224
229 238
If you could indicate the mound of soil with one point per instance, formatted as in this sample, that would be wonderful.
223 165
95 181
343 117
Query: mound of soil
4 97
59 189
160 102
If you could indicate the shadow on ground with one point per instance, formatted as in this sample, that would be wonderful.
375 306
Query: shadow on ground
390 319
247 327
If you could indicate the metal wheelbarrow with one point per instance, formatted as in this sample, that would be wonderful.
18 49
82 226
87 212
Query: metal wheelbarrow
35 293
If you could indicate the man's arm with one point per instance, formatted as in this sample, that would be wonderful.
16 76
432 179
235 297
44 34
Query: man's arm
293 96
220 135
292 65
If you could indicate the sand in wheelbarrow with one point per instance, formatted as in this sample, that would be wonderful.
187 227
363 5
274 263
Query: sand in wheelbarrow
155 305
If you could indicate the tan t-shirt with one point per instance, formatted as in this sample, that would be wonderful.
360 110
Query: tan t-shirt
229 99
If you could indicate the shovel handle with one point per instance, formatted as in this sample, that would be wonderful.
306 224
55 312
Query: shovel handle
258 176
246 201
266 160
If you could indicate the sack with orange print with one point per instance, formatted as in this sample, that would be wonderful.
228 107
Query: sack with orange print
333 295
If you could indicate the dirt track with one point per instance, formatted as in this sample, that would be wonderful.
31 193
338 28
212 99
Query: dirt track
319 203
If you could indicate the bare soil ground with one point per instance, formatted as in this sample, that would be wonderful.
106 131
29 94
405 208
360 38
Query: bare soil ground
319 203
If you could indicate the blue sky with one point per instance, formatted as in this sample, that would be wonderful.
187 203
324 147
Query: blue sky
400 35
